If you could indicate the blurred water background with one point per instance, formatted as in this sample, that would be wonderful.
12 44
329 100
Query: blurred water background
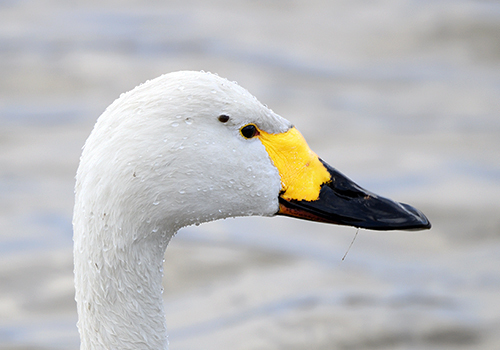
402 96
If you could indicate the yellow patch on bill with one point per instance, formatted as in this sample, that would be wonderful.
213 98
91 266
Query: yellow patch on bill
301 171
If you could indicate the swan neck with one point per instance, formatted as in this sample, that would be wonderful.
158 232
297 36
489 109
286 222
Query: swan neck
119 289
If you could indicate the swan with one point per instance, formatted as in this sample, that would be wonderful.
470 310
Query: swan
183 149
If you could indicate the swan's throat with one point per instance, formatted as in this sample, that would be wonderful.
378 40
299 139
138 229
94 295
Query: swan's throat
119 290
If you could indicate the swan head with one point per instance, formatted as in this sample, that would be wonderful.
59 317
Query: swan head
183 149
191 147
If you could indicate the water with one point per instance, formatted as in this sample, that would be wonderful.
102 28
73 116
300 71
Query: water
403 97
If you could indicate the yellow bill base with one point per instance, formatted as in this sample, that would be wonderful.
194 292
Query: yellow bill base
301 171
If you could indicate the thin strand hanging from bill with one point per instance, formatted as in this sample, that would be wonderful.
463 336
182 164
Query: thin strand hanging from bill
350 245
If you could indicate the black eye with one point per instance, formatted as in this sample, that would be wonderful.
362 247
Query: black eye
249 131
223 118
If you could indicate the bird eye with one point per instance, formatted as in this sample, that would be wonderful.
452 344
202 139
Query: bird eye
249 131
223 118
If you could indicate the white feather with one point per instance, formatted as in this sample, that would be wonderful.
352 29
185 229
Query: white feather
157 160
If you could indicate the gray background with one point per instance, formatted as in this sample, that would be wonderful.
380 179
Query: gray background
402 96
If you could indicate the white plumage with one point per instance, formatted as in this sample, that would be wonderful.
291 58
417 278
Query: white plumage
171 153
157 160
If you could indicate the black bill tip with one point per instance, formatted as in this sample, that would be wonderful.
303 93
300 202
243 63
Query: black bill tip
343 202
